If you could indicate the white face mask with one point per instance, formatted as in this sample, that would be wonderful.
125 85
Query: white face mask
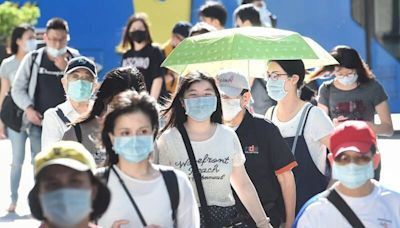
30 45
56 52
347 80
230 108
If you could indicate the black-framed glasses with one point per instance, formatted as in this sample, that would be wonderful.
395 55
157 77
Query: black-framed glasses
273 76
344 159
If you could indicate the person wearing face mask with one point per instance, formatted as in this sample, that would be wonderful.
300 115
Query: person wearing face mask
305 128
79 82
37 85
87 128
66 192
139 52
195 141
356 199
354 93
148 195
268 158
22 42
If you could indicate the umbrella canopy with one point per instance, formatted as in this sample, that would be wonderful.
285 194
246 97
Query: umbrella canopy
244 49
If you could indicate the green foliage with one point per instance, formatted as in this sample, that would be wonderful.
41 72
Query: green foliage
11 15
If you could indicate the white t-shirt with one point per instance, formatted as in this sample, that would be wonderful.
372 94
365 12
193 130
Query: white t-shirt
379 209
53 128
215 157
318 126
151 196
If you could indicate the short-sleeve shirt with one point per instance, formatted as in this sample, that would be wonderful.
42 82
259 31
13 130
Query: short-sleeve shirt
267 155
318 126
8 68
148 61
216 157
355 104
381 208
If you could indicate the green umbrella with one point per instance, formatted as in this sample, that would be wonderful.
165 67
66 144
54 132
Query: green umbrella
244 49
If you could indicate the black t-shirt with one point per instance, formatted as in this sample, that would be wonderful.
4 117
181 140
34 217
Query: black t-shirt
49 91
267 154
148 61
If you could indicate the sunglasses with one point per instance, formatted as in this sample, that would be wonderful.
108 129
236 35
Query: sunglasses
345 159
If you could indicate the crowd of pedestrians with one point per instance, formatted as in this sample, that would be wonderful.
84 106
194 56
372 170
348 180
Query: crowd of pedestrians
147 147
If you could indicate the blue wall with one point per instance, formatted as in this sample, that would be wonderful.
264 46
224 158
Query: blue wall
95 25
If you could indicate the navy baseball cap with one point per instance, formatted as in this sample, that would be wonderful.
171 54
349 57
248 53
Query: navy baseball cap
81 62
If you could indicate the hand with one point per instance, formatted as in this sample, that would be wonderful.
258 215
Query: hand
2 131
336 121
118 223
61 62
34 116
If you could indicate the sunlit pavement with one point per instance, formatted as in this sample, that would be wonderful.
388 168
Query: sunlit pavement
389 147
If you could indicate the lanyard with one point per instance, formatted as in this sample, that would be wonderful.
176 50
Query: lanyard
130 197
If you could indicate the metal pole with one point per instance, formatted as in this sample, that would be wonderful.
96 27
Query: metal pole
368 17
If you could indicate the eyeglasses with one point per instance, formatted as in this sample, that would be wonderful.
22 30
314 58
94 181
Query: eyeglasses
344 159
273 76
61 41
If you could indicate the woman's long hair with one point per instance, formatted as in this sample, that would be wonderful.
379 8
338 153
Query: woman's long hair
116 81
175 112
349 58
126 42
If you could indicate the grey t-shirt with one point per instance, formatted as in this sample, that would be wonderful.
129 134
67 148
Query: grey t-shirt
8 68
91 139
355 104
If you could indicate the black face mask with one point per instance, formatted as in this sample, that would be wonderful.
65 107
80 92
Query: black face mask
138 36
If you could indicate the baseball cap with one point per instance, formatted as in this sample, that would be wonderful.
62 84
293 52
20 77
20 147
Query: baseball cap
66 153
182 28
352 135
232 83
81 62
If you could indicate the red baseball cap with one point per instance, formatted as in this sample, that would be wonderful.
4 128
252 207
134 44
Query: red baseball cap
352 135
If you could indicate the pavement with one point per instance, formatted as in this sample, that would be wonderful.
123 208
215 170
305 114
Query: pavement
389 148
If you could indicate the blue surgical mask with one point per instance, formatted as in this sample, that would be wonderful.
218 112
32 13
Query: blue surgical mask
276 89
200 108
347 80
30 45
53 52
79 90
352 175
66 207
134 149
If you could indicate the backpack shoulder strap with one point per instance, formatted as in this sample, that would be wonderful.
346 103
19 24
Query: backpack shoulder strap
171 182
62 116
34 56
78 132
344 209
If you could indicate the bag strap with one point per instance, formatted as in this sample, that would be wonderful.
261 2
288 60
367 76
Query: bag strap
344 209
34 56
130 197
196 174
171 182
60 114
78 132
302 123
